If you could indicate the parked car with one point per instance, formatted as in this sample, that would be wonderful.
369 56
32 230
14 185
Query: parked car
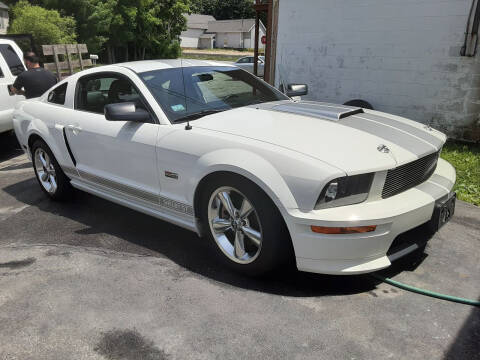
11 64
218 151
246 63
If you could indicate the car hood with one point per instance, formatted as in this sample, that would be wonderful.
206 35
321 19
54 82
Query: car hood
352 139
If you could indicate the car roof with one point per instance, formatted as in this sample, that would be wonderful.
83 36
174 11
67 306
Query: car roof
150 65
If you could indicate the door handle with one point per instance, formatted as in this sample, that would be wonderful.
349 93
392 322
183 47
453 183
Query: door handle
75 129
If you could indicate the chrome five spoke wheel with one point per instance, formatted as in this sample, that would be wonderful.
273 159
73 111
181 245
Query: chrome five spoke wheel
45 170
235 225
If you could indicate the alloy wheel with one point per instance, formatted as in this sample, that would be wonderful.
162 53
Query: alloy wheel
235 225
45 170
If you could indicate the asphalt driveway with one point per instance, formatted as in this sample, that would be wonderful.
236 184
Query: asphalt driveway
92 280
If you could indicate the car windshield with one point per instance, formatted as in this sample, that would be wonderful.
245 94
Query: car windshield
202 90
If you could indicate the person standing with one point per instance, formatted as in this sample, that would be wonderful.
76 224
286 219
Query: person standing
35 81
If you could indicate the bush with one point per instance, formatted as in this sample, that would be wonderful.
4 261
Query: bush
46 26
165 51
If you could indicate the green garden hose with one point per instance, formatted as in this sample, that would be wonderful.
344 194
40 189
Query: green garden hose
426 292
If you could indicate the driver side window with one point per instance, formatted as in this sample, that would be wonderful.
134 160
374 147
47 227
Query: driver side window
94 92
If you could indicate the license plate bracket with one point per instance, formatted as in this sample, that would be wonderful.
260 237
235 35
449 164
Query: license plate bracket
443 212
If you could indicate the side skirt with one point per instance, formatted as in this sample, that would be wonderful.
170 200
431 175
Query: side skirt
186 222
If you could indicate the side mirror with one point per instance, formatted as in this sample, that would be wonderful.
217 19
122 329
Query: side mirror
126 111
204 77
296 90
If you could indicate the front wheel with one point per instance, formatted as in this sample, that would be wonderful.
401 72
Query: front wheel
244 225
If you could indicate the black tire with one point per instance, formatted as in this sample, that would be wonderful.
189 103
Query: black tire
276 249
359 103
63 190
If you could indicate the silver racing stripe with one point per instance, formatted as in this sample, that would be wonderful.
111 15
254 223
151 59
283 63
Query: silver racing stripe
420 133
175 205
437 192
411 138
145 196
318 110
129 190
409 142
442 181
69 171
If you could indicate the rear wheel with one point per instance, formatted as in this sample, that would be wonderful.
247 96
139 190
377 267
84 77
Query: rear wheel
49 174
244 226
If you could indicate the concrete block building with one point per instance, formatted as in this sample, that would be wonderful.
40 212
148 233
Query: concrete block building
410 58
204 32
3 18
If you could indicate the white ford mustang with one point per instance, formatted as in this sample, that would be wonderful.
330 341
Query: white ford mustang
215 150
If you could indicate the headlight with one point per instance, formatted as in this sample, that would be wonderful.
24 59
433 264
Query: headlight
346 190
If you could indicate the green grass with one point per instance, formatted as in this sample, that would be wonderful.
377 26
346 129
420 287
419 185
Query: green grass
219 49
466 160
232 58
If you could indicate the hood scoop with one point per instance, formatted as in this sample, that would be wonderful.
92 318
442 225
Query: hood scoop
318 110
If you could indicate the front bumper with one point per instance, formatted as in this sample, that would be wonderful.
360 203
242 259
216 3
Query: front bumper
367 252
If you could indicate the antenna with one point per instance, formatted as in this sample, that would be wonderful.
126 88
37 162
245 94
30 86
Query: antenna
188 126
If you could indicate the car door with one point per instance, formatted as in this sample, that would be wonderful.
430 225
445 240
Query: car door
10 66
249 64
117 155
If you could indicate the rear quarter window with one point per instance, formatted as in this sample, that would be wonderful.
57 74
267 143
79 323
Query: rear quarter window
57 95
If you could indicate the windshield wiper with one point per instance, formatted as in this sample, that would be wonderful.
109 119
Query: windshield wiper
199 114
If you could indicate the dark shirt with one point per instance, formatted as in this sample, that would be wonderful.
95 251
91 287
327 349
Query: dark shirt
35 82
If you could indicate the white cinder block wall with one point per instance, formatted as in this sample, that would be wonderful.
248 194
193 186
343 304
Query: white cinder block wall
400 55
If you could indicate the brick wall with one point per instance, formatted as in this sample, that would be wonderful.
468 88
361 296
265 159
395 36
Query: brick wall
401 56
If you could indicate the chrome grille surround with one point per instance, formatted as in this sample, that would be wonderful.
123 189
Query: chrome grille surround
409 175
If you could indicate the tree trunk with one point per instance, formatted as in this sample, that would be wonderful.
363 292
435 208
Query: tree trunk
135 56
113 55
126 53
109 54
143 54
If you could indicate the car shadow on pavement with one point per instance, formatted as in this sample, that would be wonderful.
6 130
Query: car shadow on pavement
465 345
9 146
111 226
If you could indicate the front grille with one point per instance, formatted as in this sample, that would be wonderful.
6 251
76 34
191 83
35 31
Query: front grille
409 175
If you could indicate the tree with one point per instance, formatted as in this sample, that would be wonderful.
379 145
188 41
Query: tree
148 28
160 24
124 29
224 9
46 26
81 11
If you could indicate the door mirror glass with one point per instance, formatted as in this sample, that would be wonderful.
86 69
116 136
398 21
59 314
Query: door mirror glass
296 90
127 111
204 77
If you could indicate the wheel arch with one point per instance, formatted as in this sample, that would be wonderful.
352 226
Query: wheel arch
31 140
53 138
204 182
248 165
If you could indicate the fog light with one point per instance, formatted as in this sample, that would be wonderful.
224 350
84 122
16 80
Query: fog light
343 230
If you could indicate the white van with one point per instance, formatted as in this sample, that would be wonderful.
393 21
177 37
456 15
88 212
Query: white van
11 64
